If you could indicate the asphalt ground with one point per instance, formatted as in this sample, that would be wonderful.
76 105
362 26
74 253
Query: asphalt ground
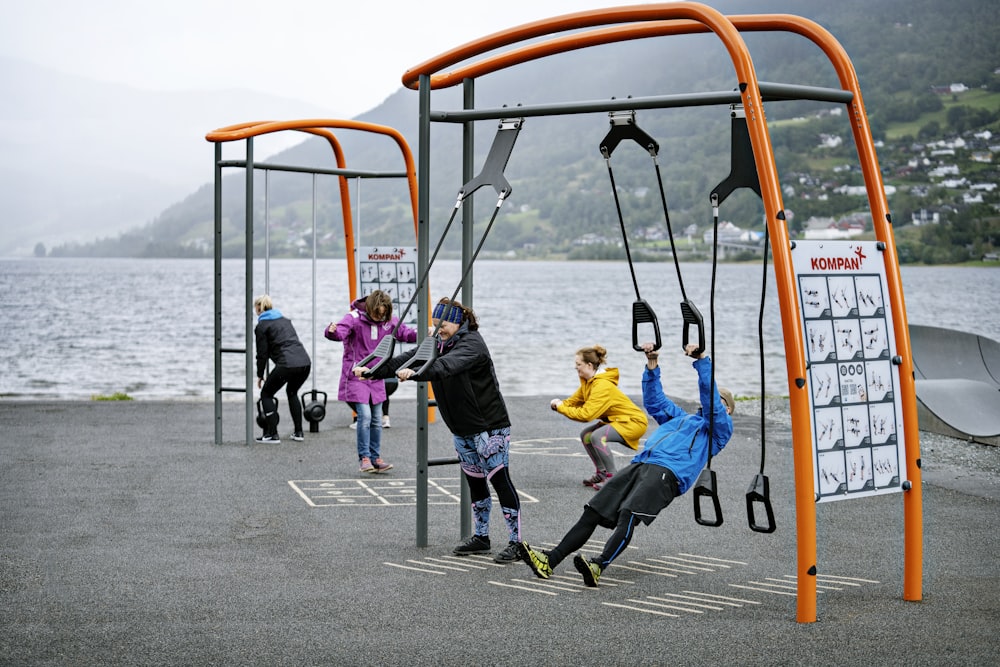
129 538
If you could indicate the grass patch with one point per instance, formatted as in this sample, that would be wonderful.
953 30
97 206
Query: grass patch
981 99
117 396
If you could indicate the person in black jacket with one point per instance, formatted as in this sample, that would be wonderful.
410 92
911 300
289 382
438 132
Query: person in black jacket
278 342
468 395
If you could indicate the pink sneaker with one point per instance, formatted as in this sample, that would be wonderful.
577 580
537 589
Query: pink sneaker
366 464
381 466
597 479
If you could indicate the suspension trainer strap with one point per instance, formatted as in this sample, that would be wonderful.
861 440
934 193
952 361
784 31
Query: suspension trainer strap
743 166
491 174
759 492
743 174
383 351
623 127
706 487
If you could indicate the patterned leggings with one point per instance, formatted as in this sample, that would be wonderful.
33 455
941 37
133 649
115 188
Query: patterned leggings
485 459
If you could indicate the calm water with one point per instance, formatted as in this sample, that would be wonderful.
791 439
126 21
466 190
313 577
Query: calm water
75 328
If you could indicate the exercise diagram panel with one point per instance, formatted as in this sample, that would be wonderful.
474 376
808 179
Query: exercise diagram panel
857 424
392 269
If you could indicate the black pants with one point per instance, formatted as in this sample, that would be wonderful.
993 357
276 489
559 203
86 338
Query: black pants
292 379
391 384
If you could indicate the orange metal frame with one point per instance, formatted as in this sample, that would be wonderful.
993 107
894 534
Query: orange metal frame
320 127
681 18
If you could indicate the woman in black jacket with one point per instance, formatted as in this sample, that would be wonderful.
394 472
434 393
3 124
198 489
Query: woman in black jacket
278 342
468 395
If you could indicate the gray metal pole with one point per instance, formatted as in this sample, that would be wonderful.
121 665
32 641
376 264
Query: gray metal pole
248 305
423 256
313 335
217 293
267 233
468 248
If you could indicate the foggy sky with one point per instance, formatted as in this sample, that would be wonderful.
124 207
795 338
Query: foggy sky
343 56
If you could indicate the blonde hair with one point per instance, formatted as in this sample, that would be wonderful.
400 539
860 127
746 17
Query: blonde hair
727 398
595 356
262 303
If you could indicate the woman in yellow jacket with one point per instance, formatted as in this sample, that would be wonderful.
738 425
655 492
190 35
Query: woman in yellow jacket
598 397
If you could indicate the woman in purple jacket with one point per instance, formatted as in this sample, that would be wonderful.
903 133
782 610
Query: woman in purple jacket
369 321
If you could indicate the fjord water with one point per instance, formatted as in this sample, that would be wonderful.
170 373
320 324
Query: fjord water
74 328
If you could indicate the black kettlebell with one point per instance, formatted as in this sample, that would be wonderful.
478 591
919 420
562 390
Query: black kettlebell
314 409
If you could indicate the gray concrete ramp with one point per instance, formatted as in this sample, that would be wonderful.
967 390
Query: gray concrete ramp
957 383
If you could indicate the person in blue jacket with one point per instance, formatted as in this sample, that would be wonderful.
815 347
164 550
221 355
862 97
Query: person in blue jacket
665 468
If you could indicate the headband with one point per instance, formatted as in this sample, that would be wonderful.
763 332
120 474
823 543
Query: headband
447 313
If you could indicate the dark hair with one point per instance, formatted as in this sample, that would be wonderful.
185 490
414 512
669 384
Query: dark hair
378 300
468 316
594 356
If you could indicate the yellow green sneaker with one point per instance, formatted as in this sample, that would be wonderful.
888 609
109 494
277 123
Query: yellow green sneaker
536 560
590 570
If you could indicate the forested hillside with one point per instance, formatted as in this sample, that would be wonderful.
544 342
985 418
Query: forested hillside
929 73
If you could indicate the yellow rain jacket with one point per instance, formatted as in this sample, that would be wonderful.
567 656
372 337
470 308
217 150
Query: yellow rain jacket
600 398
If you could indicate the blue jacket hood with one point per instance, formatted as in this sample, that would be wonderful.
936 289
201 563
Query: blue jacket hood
273 314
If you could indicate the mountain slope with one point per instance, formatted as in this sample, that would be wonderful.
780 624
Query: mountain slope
80 158
561 191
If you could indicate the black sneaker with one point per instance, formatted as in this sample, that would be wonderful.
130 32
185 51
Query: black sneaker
298 436
509 554
588 569
270 439
474 545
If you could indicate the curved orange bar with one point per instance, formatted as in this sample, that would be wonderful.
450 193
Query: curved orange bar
688 18
540 28
882 222
320 127
698 17
862 138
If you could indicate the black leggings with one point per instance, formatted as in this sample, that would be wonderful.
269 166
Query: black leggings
502 484
585 527
292 379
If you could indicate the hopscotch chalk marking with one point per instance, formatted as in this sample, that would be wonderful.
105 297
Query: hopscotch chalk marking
380 491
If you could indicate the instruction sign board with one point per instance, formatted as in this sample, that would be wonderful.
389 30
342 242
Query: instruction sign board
392 269
853 374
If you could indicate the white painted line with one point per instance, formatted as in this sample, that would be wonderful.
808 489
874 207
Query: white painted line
445 567
686 610
662 567
715 560
453 559
302 495
373 493
570 581
644 571
670 560
763 590
522 588
415 569
764 583
645 611
701 603
723 597
847 580
482 559
548 583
